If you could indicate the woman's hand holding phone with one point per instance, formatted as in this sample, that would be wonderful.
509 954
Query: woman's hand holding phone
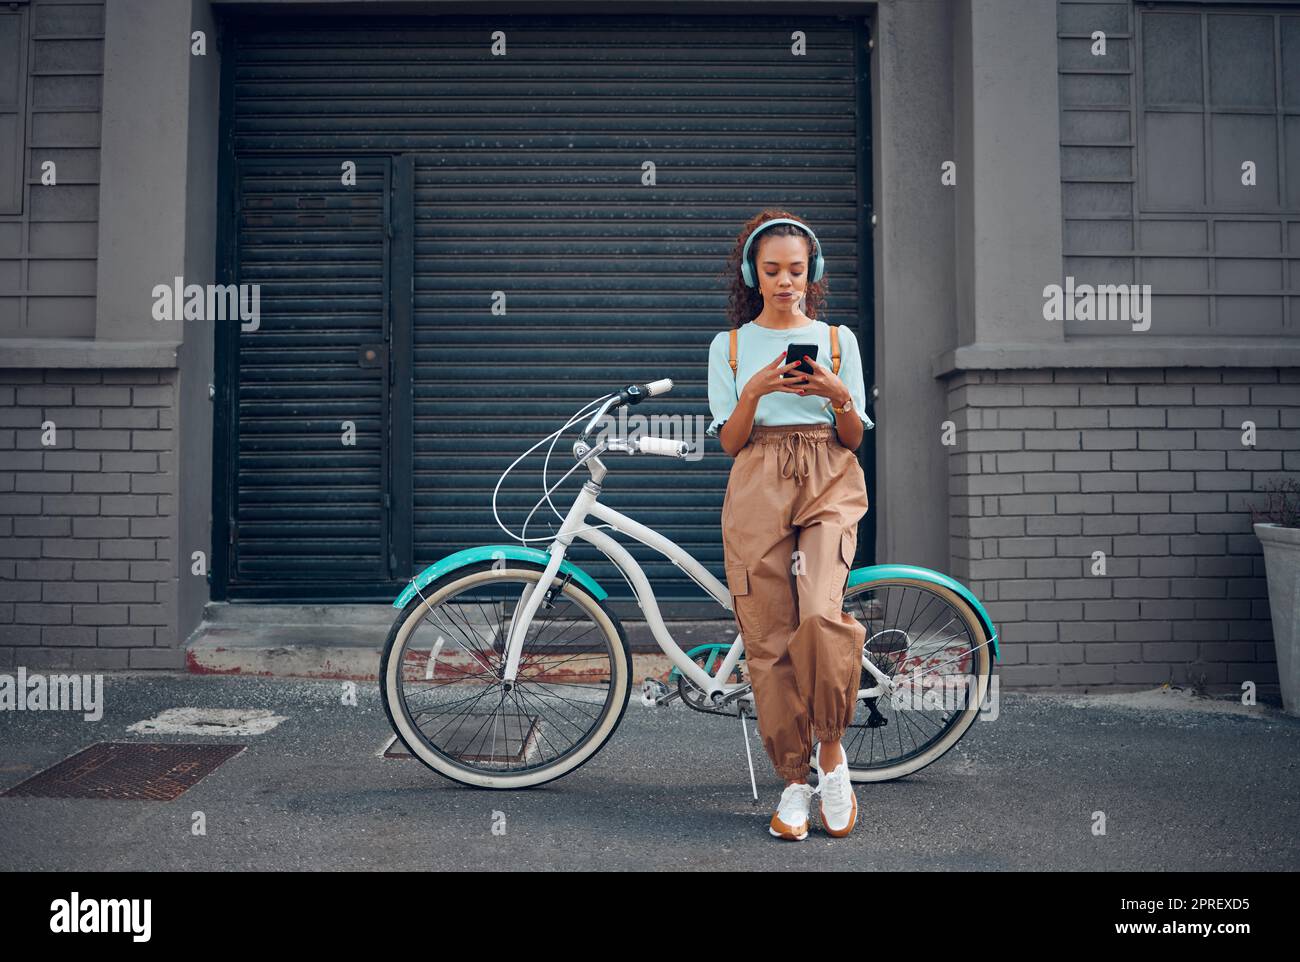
777 377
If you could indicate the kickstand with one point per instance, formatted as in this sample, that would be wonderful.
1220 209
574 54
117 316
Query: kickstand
748 758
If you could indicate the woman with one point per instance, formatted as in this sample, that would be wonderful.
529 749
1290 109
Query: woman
789 520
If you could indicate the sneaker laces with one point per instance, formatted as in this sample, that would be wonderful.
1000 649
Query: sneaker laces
795 802
836 790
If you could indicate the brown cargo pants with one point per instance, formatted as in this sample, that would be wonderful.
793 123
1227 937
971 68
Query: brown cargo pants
789 533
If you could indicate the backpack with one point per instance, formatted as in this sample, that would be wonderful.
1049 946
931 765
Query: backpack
835 349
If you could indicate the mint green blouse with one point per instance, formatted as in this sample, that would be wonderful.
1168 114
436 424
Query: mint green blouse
757 347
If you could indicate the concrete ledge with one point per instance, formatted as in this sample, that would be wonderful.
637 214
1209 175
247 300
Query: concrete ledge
58 352
1113 352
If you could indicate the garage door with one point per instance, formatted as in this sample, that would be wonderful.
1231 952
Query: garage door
554 219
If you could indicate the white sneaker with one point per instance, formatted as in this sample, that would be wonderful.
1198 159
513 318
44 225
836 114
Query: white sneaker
791 818
838 805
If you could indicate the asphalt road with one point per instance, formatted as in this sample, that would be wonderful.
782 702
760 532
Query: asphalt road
1191 787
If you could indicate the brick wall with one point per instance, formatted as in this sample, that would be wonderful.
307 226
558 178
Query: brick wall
88 526
1146 466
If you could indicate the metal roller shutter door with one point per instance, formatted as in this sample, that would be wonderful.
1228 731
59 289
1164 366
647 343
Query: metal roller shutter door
523 175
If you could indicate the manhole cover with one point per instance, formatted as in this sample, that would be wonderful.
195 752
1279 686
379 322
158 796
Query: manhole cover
514 741
130 770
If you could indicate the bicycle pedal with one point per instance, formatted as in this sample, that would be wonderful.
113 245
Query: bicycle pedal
654 692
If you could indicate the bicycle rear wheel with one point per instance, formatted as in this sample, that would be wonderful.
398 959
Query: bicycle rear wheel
930 641
442 687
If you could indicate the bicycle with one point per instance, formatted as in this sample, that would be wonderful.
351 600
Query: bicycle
466 651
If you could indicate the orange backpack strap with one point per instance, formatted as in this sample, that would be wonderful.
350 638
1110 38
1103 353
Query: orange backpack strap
734 332
835 349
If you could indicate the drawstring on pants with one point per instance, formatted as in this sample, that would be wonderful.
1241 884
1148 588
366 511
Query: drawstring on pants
795 449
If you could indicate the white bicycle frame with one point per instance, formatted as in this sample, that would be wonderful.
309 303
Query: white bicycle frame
586 505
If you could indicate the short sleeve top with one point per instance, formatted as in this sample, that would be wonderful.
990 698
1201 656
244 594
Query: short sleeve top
757 347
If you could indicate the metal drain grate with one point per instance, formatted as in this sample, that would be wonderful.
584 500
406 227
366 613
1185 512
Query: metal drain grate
140 771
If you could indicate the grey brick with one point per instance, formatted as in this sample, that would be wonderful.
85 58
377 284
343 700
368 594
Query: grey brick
1110 610
1055 610
1197 460
20 548
100 527
143 418
1134 674
42 527
20 635
1027 676
150 570
985 395
98 614
1145 631
1280 395
1024 417
1027 547
1137 418
1166 481
153 483
1143 503
126 636
151 440
1110 481
135 550
1068 568
67 591
1053 524
1027 588
137 505
73 417
152 527
91 439
160 396
69 548
45 571
1167 524
1084 503
131 461
1234 418
1248 460
20 590
16 504
1086 674
1051 483
1194 417
68 635
52 482
1087 631
127 591
1022 461
1037 631
42 614
1083 461
1067 418
71 504
1085 588
1027 504
1222 395
1054 440
1163 395
1094 440
1141 587
1107 394
102 483
103 396
1051 395
1116 652
42 395
993 441
1201 502
1222 481
1000 568
79 461
102 571
1140 460
1101 524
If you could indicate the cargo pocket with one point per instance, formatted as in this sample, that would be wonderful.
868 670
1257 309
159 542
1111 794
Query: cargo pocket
848 548
742 602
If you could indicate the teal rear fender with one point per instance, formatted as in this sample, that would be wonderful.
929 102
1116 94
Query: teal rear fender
491 552
860 576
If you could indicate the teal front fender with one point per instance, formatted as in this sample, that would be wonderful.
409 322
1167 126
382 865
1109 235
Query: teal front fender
492 552
860 576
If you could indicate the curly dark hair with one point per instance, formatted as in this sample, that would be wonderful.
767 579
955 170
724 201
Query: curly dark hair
746 303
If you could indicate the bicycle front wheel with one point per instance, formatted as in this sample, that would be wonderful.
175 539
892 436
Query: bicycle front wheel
443 691
931 643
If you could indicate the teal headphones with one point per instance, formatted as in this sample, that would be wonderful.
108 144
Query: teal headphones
747 269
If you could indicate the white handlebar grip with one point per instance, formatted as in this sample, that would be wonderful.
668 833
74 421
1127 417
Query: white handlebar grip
652 445
663 386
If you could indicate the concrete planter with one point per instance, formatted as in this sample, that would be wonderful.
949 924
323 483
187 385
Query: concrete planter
1282 566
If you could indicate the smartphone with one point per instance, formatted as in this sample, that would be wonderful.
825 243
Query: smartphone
796 351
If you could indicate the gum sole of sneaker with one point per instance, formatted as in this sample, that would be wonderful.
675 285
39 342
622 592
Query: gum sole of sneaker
789 837
853 820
